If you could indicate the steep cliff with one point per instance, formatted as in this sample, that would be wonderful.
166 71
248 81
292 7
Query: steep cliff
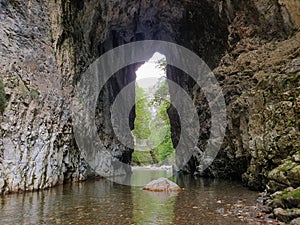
45 47
37 145
252 46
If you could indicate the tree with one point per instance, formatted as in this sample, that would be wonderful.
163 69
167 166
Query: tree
156 131
162 91
143 115
161 123
162 64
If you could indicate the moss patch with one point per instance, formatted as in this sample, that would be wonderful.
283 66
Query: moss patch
34 93
288 198
2 97
289 194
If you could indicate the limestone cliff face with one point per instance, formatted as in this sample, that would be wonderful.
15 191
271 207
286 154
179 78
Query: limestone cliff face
292 9
247 47
40 68
37 148
264 123
46 45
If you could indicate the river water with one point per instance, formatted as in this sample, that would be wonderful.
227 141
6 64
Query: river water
203 201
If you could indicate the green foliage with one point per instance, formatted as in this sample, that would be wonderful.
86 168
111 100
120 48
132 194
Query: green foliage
34 93
165 148
161 123
288 194
2 97
158 134
141 158
162 64
143 115
162 92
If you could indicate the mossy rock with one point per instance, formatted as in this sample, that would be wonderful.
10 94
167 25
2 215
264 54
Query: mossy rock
34 93
2 97
286 215
287 174
296 157
288 198
288 193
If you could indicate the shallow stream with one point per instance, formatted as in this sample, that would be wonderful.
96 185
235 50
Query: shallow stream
203 201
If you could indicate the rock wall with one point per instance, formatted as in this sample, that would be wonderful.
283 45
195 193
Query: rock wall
45 47
240 31
37 148
267 128
292 9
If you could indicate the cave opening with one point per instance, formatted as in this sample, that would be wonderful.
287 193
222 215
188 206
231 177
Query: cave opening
201 27
152 132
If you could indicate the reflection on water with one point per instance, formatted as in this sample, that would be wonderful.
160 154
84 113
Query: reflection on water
152 207
143 175
103 202
84 203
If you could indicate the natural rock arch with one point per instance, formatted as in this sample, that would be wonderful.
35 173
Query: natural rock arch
46 58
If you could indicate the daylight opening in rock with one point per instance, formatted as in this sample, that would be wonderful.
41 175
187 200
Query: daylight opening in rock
152 135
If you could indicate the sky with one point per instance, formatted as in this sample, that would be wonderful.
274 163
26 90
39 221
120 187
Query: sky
148 74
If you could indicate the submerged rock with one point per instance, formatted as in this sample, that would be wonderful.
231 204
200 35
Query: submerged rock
162 184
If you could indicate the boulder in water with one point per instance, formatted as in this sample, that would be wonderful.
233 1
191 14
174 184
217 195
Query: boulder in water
162 184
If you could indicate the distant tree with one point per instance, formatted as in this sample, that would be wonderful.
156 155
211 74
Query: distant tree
157 132
143 115
161 123
162 64
162 90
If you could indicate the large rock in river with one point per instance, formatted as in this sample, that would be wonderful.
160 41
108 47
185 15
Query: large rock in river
162 184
